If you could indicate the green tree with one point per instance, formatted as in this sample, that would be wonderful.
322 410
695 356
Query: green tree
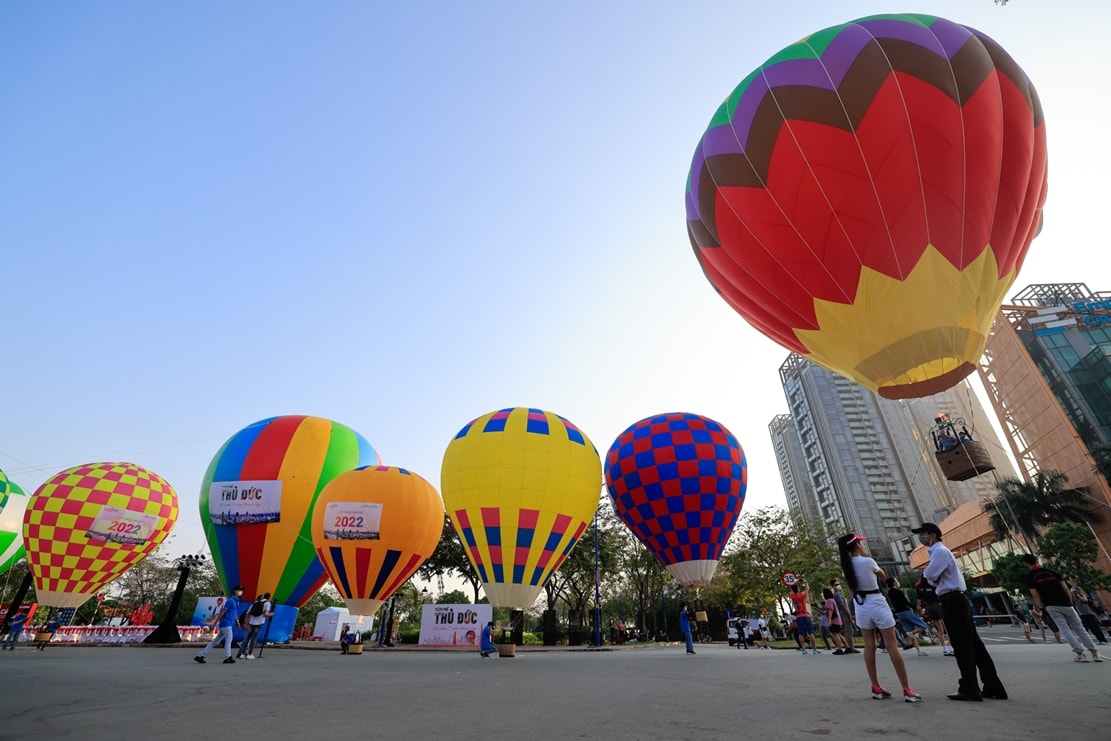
765 544
1035 504
150 582
1071 548
454 597
1010 571
12 579
450 559
573 581
1101 454
322 600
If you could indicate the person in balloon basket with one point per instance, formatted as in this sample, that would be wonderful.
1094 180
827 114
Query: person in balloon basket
685 626
487 646
873 614
15 629
225 621
944 574
254 619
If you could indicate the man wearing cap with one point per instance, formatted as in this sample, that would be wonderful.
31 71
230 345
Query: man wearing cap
944 574
225 621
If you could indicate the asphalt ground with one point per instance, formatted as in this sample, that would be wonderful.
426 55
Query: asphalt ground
632 692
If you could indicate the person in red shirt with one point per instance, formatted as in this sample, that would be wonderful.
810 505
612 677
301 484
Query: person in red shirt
804 626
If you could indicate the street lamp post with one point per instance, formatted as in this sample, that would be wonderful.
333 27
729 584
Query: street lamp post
166 632
597 588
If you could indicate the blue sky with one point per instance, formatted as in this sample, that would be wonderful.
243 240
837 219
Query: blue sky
404 217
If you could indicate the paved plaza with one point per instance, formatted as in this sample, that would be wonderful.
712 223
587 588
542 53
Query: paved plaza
635 692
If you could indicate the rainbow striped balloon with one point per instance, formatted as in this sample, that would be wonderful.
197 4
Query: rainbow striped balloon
13 503
89 524
286 462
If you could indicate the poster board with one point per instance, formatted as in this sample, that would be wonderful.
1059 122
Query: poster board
454 625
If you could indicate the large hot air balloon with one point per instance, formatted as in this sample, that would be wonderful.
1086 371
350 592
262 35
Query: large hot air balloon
257 497
865 198
13 503
678 482
88 524
520 486
373 528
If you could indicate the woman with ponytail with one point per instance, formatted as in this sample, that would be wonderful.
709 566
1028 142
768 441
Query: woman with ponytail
863 575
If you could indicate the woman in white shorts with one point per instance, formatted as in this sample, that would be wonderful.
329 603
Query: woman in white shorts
863 576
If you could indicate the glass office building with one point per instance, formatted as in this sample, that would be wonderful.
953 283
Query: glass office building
1047 370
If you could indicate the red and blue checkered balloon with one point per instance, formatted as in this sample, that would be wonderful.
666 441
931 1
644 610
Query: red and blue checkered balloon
678 482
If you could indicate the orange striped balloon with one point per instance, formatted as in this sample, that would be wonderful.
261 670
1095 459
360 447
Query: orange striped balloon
373 528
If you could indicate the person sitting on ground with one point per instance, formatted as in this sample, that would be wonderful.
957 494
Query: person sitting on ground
487 646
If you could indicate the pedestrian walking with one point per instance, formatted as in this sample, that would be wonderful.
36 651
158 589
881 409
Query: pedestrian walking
225 621
1051 592
913 626
944 573
254 619
833 616
847 622
929 606
873 614
1087 614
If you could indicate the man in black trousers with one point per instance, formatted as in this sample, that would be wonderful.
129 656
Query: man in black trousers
944 574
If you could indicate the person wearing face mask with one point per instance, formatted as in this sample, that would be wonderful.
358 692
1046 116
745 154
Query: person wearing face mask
944 573
225 621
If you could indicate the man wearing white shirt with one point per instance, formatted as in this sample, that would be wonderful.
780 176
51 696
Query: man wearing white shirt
944 573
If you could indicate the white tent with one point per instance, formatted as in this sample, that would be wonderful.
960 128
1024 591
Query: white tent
330 622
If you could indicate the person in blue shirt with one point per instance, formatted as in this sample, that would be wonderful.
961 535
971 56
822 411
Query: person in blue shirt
487 646
225 621
15 628
51 628
685 626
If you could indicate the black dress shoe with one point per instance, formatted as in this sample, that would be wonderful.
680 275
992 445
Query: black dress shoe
966 696
994 694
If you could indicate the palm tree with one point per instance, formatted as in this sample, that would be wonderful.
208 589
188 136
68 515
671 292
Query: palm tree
1102 455
1035 504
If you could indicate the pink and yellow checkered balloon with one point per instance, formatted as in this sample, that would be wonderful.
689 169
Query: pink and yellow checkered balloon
89 524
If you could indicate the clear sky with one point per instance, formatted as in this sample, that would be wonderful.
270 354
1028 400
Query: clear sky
402 216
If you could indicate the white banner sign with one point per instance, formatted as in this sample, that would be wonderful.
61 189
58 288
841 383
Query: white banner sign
122 526
244 502
454 625
352 520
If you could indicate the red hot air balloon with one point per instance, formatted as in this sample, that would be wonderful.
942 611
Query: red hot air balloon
866 197
678 482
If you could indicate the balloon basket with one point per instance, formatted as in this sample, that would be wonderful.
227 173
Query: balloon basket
507 650
355 648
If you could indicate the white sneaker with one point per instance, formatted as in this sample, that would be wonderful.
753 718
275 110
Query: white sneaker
249 656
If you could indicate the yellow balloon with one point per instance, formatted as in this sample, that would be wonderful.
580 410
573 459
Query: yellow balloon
373 528
520 486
